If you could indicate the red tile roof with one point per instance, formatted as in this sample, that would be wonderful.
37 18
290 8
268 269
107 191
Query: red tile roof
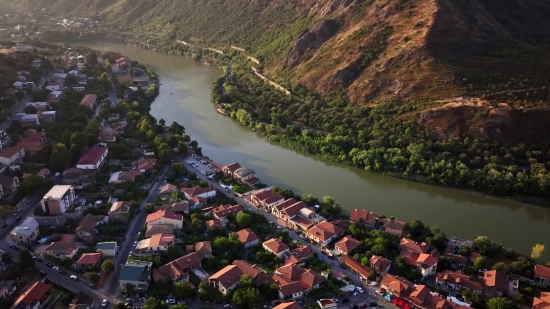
289 305
11 151
213 224
291 288
413 245
163 213
232 167
89 99
275 245
459 278
197 190
146 164
542 271
226 210
363 215
92 156
34 293
356 266
89 259
379 263
347 244
247 236
324 230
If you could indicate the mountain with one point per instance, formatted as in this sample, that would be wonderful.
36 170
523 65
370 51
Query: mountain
473 67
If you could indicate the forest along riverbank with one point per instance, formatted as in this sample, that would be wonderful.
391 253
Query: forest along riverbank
456 212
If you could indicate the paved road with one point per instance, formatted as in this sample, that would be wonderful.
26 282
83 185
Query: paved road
111 286
112 94
367 288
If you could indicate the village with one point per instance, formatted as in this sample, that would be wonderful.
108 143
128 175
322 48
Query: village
115 208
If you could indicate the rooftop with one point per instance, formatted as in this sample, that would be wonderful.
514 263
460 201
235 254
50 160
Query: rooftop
247 236
89 99
275 245
92 156
26 228
57 192
163 214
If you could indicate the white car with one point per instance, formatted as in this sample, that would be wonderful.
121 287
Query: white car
55 268
355 294
104 303
374 283
170 301
360 290
73 277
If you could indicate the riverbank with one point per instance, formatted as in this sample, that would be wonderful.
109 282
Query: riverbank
225 142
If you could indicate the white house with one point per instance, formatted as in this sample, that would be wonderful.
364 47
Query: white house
165 217
54 86
18 85
79 88
198 191
12 155
38 105
93 158
58 200
248 238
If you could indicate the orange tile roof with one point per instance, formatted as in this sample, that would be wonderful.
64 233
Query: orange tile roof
203 247
275 245
289 305
353 264
247 236
459 278
163 213
89 258
325 230
34 293
379 263
347 244
197 190
161 240
89 99
226 210
363 215
542 302
213 224
233 166
413 245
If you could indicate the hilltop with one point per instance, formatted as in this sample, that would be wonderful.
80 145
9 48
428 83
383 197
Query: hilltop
428 52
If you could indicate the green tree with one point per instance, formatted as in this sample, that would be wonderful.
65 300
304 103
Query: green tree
182 290
25 259
6 257
501 303
149 208
164 153
243 220
108 267
119 306
178 306
5 212
60 157
79 139
537 251
93 277
153 303
501 266
479 262
249 297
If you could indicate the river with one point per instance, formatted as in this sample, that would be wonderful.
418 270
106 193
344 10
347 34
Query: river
185 98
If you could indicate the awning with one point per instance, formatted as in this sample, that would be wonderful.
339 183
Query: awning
389 297
407 307
401 303
394 301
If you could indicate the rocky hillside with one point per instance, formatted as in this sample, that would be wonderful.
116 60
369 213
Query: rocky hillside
425 51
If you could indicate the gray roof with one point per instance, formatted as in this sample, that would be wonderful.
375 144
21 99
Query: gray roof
135 271
110 245
26 228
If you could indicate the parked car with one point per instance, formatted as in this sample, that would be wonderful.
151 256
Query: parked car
142 299
360 289
56 268
374 283
170 301
130 299
343 266
48 265
355 294
104 303
62 272
74 277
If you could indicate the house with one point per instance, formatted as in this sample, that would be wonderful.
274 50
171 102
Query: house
223 211
120 211
136 274
229 170
324 233
165 217
7 288
124 62
92 158
79 88
346 245
498 284
267 199
289 305
120 177
19 85
228 279
31 148
89 260
203 249
5 140
55 86
59 200
12 155
394 227
107 249
141 81
246 176
146 164
286 277
213 224
457 281
89 100
115 68
29 120
82 81
198 191
380 264
287 209
327 303
417 255
33 297
358 269
248 238
9 185
44 173
72 176
156 244
65 248
362 216
542 302
457 261
54 96
180 207
168 189
177 270
299 255
275 246
158 229
26 233
542 275
106 135
87 227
